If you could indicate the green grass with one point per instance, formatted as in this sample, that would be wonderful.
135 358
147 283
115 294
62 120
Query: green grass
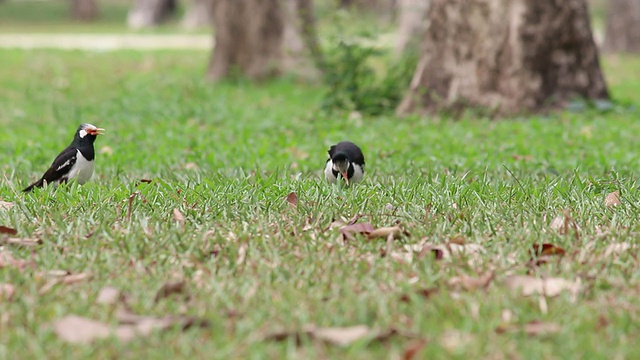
252 145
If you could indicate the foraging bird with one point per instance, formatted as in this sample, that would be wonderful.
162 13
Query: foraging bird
346 161
74 162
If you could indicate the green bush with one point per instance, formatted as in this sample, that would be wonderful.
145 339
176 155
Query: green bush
354 84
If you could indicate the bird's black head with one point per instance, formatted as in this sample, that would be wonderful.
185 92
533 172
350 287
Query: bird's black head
87 132
341 164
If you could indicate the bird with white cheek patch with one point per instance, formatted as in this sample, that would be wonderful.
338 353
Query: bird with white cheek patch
74 162
345 161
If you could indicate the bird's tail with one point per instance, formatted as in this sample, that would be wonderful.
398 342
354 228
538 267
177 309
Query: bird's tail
38 183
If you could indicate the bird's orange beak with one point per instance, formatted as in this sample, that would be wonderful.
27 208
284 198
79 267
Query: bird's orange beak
345 177
98 131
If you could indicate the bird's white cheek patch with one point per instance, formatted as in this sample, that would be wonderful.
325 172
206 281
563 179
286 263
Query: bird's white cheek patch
82 133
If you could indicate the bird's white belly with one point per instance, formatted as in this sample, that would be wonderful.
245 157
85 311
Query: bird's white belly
358 173
328 172
82 170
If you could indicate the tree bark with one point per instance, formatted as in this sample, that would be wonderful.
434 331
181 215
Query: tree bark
262 38
623 26
412 21
369 5
149 13
199 14
508 56
84 10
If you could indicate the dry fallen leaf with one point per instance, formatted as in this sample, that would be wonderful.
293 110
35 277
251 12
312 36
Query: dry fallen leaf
612 199
458 240
7 259
7 230
7 291
74 278
80 330
242 254
106 150
530 285
413 348
617 249
471 283
547 249
67 279
170 288
5 205
350 231
386 232
26 242
536 328
177 215
191 166
292 199
108 295
340 336
563 223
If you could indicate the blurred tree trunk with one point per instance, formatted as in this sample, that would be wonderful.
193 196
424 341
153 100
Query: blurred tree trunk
262 38
508 56
623 26
84 10
377 5
148 13
412 22
199 14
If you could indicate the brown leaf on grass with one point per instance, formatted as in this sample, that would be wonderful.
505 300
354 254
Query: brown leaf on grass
7 259
26 242
65 280
292 199
7 230
518 157
242 254
7 291
106 150
191 166
617 249
458 240
424 292
385 232
413 348
472 283
170 288
5 205
538 328
612 199
340 336
146 181
108 295
530 285
564 223
349 232
547 249
80 330
177 215
74 278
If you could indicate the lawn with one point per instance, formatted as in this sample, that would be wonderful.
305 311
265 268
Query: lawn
221 160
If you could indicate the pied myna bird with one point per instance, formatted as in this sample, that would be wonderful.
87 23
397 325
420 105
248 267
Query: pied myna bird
74 162
345 161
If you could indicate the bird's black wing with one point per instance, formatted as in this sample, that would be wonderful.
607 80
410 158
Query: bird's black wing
61 165
59 168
